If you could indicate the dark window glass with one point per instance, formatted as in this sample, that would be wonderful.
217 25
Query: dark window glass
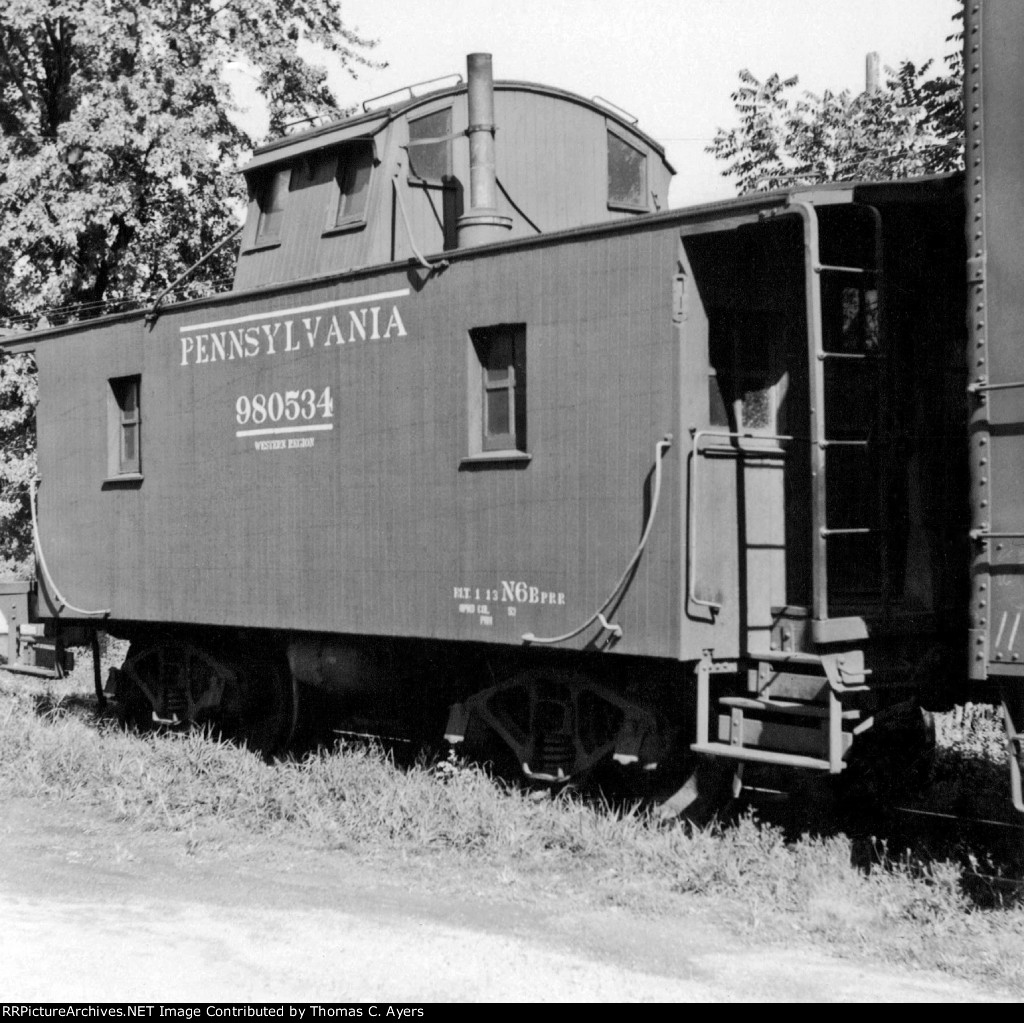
627 174
502 354
431 161
353 175
126 399
271 202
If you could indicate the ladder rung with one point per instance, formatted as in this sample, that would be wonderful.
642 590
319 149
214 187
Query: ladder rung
856 356
763 756
843 443
848 532
827 268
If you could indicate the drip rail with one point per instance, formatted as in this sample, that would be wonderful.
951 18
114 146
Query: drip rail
598 616
51 586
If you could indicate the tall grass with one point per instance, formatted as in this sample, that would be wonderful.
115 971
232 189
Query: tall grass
902 906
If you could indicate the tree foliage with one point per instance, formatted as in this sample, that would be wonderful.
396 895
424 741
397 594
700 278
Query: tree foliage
118 157
912 125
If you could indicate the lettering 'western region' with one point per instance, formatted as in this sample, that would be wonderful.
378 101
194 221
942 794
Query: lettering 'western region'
329 324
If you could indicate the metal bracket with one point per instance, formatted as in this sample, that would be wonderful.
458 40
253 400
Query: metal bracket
1013 710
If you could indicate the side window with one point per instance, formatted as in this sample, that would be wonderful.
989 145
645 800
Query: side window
627 175
498 389
124 427
271 195
355 162
430 148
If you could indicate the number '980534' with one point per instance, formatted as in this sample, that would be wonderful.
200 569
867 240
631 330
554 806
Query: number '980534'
301 405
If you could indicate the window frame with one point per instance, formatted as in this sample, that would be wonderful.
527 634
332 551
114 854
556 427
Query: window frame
120 420
445 180
617 204
263 188
510 445
337 222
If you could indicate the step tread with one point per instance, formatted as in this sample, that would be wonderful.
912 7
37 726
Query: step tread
791 708
724 750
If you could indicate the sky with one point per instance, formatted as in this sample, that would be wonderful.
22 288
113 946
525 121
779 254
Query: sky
671 63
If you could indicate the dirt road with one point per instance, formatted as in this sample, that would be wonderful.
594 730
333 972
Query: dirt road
96 911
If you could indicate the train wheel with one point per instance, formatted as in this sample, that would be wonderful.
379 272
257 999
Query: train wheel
559 724
177 684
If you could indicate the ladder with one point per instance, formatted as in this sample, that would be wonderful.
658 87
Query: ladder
828 369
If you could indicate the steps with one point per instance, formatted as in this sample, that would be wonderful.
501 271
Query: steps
793 714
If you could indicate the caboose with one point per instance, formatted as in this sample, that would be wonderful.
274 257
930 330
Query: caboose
486 442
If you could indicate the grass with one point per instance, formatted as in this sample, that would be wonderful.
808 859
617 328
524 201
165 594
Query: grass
879 897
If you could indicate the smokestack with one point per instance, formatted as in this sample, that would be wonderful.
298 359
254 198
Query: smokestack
481 223
871 75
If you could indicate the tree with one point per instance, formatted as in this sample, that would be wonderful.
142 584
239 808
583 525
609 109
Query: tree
913 125
118 158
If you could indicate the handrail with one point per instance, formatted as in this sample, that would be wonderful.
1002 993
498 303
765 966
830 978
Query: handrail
980 388
409 89
51 586
691 564
151 314
528 637
419 257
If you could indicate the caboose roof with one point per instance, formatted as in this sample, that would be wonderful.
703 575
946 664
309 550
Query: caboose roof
370 123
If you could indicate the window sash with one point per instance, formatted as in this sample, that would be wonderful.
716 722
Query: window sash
431 162
271 203
129 424
627 175
355 165
499 408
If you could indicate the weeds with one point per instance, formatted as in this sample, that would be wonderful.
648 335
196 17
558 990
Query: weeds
884 898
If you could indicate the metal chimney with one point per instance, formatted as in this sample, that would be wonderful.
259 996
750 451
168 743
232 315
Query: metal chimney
481 223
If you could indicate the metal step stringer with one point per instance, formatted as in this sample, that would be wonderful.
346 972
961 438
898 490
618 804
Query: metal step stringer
792 713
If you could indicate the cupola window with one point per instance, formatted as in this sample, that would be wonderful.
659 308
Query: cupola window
627 175
355 162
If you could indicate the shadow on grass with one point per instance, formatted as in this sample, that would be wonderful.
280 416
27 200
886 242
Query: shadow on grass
953 807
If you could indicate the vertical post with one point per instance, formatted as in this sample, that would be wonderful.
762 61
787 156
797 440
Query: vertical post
816 370
101 699
703 673
835 732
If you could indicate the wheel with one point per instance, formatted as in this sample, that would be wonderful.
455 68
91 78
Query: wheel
177 684
560 724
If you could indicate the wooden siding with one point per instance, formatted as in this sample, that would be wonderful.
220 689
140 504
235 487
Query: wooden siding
378 528
551 159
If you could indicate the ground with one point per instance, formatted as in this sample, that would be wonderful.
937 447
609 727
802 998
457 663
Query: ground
99 910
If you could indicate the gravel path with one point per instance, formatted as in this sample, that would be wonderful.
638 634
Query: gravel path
95 911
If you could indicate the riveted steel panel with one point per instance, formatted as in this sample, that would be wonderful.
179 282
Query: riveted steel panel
994 84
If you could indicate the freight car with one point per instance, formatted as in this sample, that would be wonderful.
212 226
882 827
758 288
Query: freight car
592 480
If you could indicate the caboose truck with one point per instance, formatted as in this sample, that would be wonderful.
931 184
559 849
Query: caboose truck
593 480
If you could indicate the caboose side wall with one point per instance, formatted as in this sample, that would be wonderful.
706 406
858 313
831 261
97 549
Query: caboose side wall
379 524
